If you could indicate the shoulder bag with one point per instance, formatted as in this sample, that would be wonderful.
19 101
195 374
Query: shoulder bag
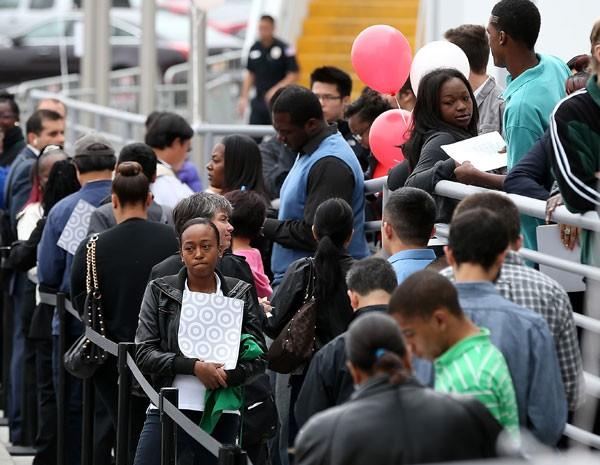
295 344
84 357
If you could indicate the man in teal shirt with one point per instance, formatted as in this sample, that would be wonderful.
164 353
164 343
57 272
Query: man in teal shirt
535 85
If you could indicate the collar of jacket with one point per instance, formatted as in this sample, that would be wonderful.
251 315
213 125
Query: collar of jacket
370 309
313 143
487 87
173 285
381 383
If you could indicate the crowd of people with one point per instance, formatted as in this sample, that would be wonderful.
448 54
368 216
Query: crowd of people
347 347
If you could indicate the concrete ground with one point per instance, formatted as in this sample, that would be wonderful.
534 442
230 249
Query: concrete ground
5 457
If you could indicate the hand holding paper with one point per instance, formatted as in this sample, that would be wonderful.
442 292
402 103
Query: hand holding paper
484 151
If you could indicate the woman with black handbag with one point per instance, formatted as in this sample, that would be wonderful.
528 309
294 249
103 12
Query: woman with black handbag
321 278
124 257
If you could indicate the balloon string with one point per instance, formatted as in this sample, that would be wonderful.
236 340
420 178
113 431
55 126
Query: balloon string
397 101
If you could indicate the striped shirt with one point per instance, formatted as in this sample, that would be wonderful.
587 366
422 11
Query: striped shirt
474 366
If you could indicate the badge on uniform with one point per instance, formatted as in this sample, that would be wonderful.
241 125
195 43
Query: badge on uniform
276 52
254 54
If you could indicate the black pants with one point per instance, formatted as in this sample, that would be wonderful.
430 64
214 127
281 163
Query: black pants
189 452
45 441
259 112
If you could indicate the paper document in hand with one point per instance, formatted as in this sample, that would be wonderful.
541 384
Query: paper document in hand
210 328
481 151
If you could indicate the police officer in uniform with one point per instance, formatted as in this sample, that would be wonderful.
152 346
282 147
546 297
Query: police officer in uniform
271 65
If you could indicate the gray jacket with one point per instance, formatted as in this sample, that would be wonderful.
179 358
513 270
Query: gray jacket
103 217
490 106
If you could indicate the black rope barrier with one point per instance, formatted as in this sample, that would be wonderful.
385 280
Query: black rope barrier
167 404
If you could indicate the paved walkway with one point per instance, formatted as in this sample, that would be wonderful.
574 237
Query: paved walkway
5 457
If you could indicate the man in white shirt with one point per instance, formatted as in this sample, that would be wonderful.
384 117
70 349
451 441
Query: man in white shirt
472 39
170 137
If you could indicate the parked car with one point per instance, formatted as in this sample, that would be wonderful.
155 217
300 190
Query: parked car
35 52
19 14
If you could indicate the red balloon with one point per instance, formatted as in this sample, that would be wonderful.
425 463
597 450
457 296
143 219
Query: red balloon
388 131
380 171
381 57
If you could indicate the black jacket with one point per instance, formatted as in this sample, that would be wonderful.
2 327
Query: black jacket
387 424
435 165
23 254
328 382
157 351
532 175
333 315
125 254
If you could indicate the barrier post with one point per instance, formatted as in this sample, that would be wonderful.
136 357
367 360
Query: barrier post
123 409
61 393
87 418
7 329
232 455
168 437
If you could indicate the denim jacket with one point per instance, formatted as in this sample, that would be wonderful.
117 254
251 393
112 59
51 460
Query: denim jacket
525 341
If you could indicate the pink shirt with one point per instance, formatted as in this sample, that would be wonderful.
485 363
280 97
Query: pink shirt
252 256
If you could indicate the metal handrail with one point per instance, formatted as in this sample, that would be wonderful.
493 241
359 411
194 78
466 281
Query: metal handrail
99 110
211 60
526 205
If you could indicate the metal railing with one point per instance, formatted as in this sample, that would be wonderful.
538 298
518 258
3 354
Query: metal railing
589 321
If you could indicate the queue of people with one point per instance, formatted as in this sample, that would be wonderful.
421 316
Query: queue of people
458 346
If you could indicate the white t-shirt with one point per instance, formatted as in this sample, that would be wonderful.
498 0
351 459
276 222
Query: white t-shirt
191 389
168 190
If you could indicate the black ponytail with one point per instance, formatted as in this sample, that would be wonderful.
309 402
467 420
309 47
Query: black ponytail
333 224
374 344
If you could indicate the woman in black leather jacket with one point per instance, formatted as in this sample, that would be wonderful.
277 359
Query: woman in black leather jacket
158 353
391 418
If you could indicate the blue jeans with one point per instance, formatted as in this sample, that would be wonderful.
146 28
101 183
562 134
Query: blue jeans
189 452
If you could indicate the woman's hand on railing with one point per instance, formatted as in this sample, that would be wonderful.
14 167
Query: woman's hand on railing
212 375
569 235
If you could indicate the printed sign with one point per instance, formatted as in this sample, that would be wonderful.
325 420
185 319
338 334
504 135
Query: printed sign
210 328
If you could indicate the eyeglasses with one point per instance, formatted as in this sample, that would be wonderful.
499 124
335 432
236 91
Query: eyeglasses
328 97
7 115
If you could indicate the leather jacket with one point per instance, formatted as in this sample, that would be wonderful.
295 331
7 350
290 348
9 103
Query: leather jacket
398 424
157 348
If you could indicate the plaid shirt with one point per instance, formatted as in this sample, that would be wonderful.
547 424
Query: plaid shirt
534 290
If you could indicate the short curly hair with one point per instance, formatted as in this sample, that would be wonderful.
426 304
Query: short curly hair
520 19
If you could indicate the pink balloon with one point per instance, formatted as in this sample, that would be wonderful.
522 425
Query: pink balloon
381 57
388 131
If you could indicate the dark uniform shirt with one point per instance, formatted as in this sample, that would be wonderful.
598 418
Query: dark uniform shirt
270 65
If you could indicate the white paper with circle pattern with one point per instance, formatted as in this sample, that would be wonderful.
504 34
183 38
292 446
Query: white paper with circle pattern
76 229
210 328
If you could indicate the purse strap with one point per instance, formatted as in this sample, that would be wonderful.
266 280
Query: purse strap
310 283
92 285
